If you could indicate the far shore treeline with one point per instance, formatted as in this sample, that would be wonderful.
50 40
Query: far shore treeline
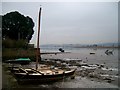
17 31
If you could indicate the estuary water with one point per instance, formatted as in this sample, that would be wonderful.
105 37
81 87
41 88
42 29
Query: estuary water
100 57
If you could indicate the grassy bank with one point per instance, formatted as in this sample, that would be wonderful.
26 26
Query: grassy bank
13 53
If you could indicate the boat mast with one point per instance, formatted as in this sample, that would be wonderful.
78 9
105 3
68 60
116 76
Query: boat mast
38 55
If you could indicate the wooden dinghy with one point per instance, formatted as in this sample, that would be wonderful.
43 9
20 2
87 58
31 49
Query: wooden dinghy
41 75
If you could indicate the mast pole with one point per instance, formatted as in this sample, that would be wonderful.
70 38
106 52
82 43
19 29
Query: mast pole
38 55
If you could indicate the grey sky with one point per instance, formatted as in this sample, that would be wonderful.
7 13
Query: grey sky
71 22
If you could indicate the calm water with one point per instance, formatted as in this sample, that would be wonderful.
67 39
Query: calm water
84 54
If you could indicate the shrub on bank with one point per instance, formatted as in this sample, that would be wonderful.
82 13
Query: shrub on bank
13 53
8 43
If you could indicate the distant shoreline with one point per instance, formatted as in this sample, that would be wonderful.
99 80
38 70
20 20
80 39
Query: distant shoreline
54 52
96 47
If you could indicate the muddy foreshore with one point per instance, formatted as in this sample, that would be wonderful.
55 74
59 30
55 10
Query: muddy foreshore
86 75
97 72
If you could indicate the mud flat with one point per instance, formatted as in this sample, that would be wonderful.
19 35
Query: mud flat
93 71
83 79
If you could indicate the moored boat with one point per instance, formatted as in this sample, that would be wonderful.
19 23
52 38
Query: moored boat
92 53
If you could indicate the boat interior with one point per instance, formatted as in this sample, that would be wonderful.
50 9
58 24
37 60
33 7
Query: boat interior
44 70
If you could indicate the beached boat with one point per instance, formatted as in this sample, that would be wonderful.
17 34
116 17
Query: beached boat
19 61
42 73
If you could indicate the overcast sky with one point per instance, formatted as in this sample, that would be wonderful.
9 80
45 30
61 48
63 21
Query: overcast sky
71 22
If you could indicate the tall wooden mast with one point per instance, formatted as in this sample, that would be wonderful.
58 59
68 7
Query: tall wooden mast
38 55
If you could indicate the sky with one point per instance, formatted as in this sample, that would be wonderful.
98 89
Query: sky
70 22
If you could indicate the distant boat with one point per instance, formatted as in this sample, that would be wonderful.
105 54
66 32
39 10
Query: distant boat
108 52
60 49
92 53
